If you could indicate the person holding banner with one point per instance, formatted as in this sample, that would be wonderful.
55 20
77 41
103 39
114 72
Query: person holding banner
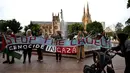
39 50
80 49
9 33
29 50
58 37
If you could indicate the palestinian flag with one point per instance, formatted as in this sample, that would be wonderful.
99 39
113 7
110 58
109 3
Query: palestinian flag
3 44
10 53
13 53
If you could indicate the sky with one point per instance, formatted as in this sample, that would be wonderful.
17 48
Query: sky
24 11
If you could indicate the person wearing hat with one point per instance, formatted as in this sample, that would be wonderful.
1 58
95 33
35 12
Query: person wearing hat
124 47
9 33
29 50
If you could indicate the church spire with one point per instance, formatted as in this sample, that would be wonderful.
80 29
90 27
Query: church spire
84 10
86 17
88 9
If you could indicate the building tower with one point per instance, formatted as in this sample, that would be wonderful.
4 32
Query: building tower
55 23
86 17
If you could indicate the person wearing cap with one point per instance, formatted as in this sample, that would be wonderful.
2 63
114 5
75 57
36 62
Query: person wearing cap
124 47
29 50
9 33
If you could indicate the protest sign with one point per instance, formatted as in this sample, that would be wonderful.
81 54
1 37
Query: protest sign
21 43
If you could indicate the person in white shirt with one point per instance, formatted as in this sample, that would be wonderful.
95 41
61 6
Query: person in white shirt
29 50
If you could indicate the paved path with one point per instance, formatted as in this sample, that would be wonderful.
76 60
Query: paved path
67 65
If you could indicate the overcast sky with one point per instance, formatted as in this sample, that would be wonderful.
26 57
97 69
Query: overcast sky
108 11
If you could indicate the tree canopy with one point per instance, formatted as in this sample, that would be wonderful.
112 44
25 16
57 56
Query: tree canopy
128 4
3 26
127 22
12 24
127 30
34 27
118 27
74 28
94 27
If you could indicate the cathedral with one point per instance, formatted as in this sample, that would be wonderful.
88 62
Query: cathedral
86 17
50 27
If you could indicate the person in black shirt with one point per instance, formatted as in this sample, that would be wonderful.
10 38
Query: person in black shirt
58 37
124 47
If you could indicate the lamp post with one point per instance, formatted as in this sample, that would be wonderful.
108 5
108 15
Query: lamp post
7 27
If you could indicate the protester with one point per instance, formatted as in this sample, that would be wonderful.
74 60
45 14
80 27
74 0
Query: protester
80 49
10 34
39 50
58 37
124 47
29 50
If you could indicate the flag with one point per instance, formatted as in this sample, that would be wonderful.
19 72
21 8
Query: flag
3 44
12 53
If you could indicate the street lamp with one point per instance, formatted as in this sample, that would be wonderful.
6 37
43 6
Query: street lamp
7 27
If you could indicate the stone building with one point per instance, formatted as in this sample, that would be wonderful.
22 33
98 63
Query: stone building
49 27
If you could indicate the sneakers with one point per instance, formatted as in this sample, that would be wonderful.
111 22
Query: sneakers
8 62
40 60
29 61
23 62
5 62
11 62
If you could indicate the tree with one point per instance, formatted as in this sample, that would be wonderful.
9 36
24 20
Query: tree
74 28
128 4
3 25
12 24
34 27
94 27
118 27
127 30
128 22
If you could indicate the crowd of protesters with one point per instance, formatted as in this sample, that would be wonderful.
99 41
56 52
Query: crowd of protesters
56 36
123 46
